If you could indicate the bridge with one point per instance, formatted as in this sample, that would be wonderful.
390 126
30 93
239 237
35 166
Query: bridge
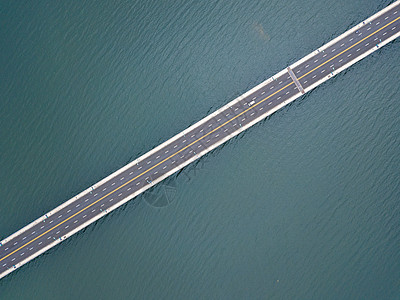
192 143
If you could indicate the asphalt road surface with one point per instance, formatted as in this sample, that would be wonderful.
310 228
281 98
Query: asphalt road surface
196 141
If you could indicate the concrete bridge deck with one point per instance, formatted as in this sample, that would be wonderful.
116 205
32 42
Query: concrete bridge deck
197 140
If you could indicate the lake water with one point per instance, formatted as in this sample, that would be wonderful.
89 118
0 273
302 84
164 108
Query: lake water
304 205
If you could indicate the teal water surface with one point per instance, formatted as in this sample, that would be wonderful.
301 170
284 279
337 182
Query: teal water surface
304 205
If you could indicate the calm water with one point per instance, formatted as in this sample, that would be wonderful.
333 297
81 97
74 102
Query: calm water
304 205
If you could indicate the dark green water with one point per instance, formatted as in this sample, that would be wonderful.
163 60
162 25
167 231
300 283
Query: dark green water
304 205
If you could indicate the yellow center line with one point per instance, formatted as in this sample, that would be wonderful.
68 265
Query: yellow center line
144 172
161 162
348 48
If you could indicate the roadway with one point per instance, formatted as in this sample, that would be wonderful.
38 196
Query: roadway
195 141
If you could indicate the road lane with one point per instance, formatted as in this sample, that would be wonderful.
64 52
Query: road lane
193 143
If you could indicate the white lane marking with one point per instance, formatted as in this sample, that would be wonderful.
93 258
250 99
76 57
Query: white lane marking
130 173
385 33
211 123
22 253
129 189
119 194
13 259
192 135
305 81
111 199
314 76
306 66
58 232
271 87
341 60
220 119
158 156
40 243
360 34
15 243
182 156
33 232
358 49
68 211
386 18
394 28
378 23
280 82
41 227
94 195
164 167
24 238
150 160
333 50
253 99
251 114
183 141
102 205
269 103
322 71
227 114
279 98
368 28
366 44
78 205
4 265
59 216
342 45
86 200
324 55
332 65
51 221
395 12
298 72
175 146
31 248
375 39
315 60
93 210
66 227
287 92
199 146
84 216
122 178
104 189
155 173
349 55
236 108
208 141
75 221
113 183
243 119
217 135
203 128
139 167
49 237
351 39
138 183
262 93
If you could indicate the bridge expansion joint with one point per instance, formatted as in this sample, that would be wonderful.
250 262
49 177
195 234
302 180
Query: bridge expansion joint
295 80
